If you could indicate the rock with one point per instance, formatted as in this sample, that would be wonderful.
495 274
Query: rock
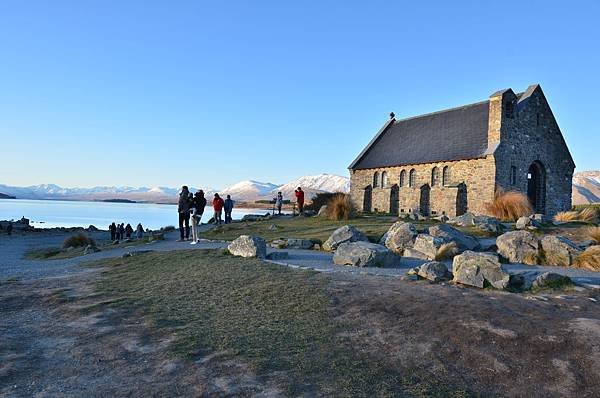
251 217
400 236
136 253
479 270
488 224
248 246
466 220
344 234
527 223
322 211
443 218
413 271
278 256
541 218
550 280
309 213
412 253
364 254
279 243
450 234
299 244
427 245
316 246
587 243
90 249
558 251
272 227
519 247
434 271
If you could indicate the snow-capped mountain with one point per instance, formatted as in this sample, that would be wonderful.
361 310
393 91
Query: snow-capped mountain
243 191
586 187
249 190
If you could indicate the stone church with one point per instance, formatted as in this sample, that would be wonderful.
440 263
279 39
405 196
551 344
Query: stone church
452 161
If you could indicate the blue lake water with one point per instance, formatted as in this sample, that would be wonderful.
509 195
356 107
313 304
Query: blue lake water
58 213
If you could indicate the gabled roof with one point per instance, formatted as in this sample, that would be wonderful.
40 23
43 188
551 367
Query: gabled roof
452 134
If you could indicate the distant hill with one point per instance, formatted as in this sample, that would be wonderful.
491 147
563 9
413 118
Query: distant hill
248 191
5 196
586 187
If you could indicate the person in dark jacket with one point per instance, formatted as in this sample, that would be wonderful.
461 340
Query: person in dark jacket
128 231
9 228
121 231
198 204
139 231
183 208
279 202
112 228
228 207
218 204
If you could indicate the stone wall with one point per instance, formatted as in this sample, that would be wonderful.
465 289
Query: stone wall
531 135
477 175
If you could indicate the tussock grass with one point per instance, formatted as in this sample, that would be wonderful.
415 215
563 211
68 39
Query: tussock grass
79 240
531 259
446 251
593 233
587 214
589 259
566 216
509 205
340 207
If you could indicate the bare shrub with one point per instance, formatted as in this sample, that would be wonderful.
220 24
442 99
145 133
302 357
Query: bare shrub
320 200
509 205
340 207
589 259
79 240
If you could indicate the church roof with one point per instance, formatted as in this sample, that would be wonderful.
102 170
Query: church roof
452 134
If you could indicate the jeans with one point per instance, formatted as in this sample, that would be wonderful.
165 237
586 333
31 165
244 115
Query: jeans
194 229
217 217
227 216
184 218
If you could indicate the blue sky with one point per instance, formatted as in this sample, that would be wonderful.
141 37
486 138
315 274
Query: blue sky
211 93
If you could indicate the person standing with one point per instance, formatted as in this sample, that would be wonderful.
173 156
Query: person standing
218 204
121 231
183 208
228 207
113 231
9 228
279 202
128 231
300 199
198 204
139 231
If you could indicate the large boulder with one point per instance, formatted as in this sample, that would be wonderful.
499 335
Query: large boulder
550 280
434 271
427 245
488 224
305 244
344 234
519 247
364 254
558 251
248 246
479 270
89 249
400 236
450 234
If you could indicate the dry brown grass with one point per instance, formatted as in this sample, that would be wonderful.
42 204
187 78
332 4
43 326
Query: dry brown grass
593 233
531 259
566 216
79 240
340 207
509 206
588 214
589 259
445 251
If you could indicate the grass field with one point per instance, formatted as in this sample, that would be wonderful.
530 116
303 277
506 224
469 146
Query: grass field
275 319
58 253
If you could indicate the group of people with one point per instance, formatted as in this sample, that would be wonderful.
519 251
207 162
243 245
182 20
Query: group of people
122 231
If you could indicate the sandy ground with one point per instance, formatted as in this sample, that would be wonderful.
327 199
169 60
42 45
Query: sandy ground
496 343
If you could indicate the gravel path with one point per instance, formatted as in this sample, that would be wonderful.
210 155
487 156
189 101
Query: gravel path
13 265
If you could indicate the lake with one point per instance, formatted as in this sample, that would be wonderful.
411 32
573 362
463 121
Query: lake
58 213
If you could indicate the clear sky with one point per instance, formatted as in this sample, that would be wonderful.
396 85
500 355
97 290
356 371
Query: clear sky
211 93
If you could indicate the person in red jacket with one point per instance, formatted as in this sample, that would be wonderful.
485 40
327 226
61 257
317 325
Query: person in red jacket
218 204
300 199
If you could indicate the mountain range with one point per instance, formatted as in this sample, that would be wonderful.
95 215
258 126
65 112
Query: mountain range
242 191
586 187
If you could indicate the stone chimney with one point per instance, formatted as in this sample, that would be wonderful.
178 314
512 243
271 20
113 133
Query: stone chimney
502 107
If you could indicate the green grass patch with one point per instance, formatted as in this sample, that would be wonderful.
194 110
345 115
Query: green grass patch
315 228
58 253
275 319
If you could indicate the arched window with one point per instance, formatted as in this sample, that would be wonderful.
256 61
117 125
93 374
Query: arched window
435 176
412 177
446 176
376 179
384 179
403 178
